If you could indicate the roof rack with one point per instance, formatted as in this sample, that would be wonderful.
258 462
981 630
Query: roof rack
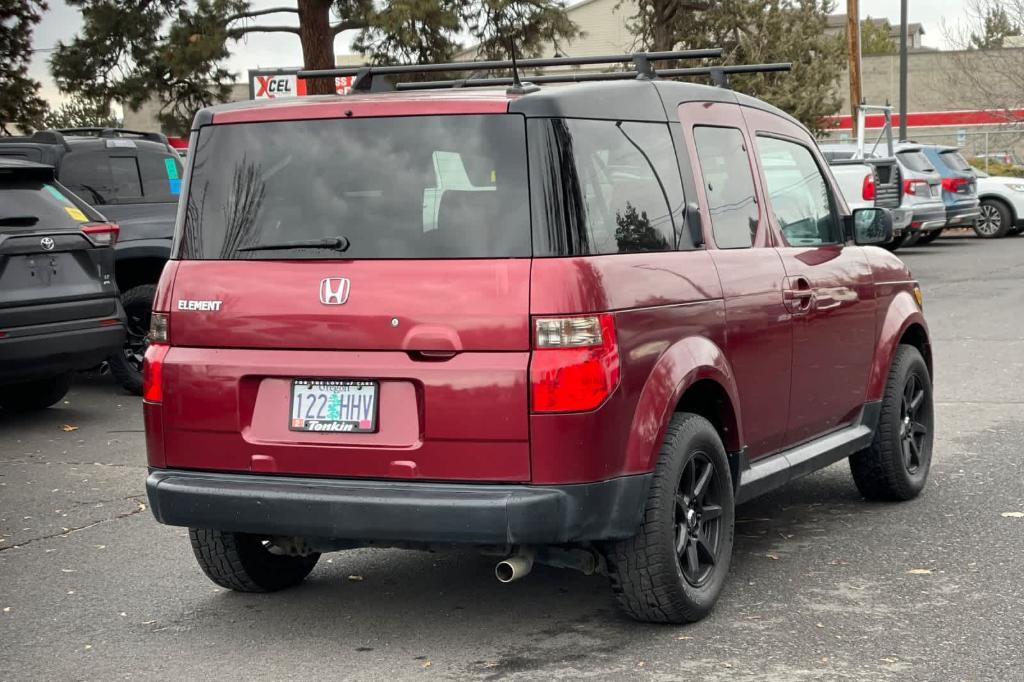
719 76
364 81
115 132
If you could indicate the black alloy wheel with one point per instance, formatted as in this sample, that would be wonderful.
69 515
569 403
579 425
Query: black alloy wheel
126 365
914 428
698 519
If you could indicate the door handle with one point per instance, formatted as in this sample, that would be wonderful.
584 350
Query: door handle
798 295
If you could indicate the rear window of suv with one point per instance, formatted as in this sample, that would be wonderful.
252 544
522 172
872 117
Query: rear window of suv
954 160
915 161
35 204
395 188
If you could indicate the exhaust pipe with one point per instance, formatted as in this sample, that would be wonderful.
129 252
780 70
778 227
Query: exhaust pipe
513 568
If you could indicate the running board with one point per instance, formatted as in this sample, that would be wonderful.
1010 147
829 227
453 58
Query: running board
769 473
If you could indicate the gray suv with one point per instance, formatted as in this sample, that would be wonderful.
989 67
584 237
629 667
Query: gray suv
959 185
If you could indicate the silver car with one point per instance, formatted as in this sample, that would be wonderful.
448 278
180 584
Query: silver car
922 191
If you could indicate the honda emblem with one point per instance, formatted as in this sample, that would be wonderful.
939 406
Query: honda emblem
334 290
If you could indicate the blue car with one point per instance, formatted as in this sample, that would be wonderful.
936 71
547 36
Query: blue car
959 185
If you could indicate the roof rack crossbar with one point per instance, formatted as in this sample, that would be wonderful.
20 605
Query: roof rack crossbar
114 132
386 69
713 71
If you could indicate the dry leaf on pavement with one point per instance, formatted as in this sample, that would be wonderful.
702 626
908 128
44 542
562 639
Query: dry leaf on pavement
69 427
1013 515
919 571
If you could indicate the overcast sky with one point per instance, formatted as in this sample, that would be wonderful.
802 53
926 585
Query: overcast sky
282 49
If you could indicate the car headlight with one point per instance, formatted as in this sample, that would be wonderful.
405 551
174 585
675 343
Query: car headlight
1016 188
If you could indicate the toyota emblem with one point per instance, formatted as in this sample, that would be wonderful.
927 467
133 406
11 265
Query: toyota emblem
47 243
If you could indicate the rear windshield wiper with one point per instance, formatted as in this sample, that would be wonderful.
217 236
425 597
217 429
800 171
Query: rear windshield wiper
19 221
339 244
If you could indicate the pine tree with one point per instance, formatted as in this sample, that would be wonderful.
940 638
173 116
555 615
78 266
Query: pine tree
755 31
175 51
995 27
82 112
20 104
876 37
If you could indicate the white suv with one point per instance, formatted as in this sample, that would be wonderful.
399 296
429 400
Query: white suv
1002 205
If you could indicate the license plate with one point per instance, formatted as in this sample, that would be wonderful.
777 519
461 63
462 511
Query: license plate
334 406
936 190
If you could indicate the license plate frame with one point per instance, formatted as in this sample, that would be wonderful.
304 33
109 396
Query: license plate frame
304 424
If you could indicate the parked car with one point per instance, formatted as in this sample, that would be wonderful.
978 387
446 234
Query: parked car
870 181
1002 205
564 324
922 192
959 189
58 301
133 178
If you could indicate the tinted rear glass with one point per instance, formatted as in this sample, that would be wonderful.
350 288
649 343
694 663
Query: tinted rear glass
954 160
31 204
406 187
123 175
915 161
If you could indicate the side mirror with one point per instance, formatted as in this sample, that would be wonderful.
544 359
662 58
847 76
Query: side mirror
871 226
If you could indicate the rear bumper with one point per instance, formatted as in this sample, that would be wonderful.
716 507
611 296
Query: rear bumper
927 219
965 216
51 349
398 511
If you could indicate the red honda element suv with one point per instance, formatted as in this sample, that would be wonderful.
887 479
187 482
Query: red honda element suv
571 324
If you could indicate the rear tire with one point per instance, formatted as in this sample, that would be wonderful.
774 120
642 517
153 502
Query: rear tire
673 569
895 466
244 563
35 395
126 366
995 221
928 237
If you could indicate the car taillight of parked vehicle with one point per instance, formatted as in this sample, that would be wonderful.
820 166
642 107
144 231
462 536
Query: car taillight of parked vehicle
867 192
575 362
954 184
916 187
153 361
102 234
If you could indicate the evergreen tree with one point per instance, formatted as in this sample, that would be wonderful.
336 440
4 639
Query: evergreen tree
175 51
995 27
82 112
876 37
20 104
756 31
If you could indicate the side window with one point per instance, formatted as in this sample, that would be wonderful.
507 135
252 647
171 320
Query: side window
728 185
605 187
88 175
798 194
124 171
161 176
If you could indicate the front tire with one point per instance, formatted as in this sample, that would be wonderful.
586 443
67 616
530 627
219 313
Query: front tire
247 563
895 466
35 395
995 221
673 569
126 366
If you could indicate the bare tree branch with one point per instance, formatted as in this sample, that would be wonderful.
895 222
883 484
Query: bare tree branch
243 30
260 12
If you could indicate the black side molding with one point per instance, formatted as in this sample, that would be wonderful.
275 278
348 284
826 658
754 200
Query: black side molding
769 473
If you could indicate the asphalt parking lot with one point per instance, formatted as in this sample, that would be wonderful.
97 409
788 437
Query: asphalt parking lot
823 584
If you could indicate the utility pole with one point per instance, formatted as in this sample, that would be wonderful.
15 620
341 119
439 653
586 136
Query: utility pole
853 46
903 70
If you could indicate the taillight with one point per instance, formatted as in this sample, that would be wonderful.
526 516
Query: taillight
867 191
953 184
911 186
575 362
153 361
101 234
153 373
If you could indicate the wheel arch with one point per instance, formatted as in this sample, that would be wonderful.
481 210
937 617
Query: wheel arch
1002 200
692 375
903 323
140 262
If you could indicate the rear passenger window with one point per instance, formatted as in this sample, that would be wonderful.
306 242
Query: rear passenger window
728 185
604 187
798 194
124 171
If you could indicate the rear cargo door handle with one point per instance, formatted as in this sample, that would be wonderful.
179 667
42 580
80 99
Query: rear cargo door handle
798 295
431 355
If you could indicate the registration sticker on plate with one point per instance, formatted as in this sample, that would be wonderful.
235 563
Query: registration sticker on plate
334 405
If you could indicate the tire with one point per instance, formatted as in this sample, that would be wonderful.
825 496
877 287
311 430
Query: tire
653 581
243 563
928 237
895 466
995 220
126 366
35 395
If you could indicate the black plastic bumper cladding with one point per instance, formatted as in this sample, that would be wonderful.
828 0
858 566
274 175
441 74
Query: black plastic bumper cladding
399 511
56 348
